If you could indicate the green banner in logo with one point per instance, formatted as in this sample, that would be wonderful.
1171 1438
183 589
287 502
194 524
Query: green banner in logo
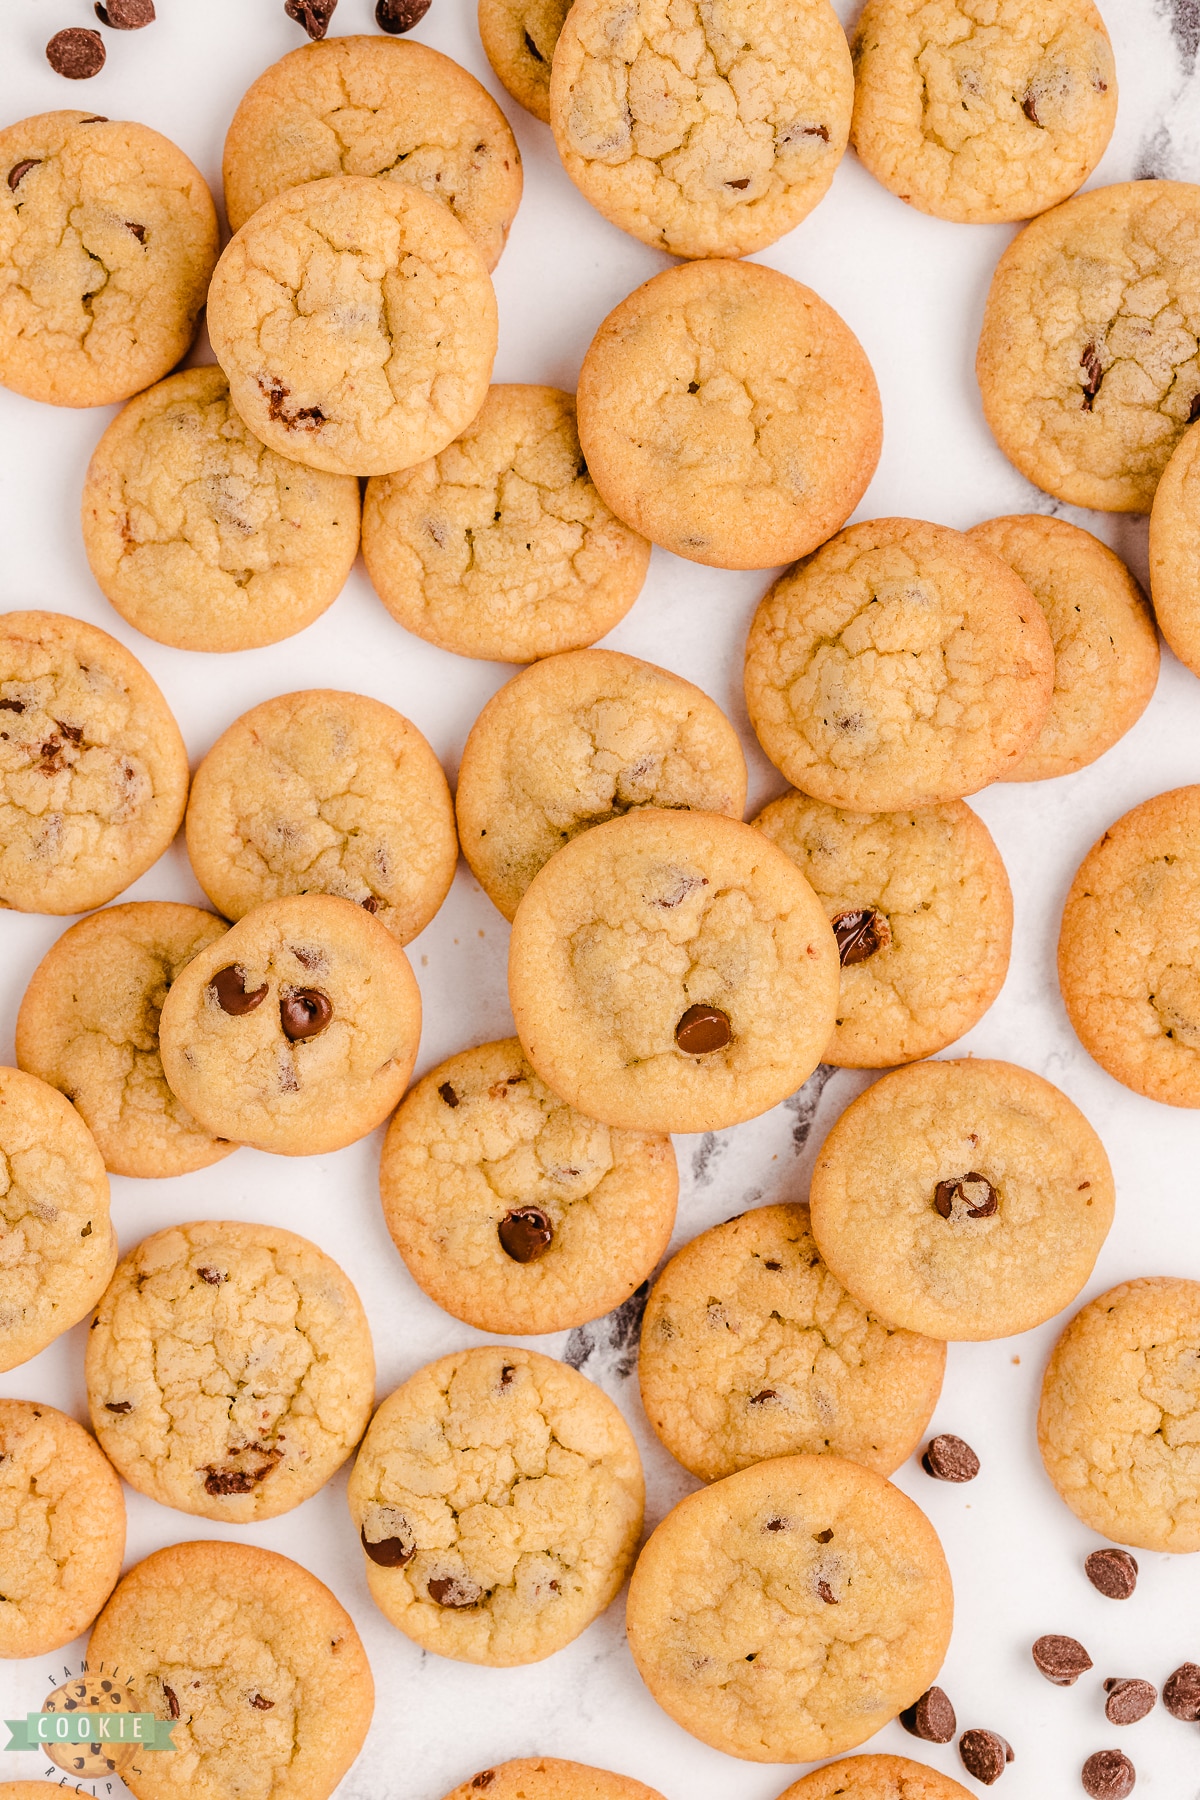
36 1730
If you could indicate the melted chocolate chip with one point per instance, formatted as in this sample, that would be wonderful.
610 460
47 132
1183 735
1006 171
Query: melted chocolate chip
827 1594
229 990
370 904
261 1702
1108 1775
931 1718
395 16
1181 1692
15 706
76 53
821 131
125 15
304 1013
860 934
1061 1660
1194 408
1093 368
172 1702
949 1458
314 15
389 1553
525 1233
16 175
307 418
118 1406
448 1094
985 1755
969 1196
454 1590
239 1481
823 1537
1112 1573
1029 108
213 1276
484 1778
701 1030
139 231
740 185
1129 1699
760 1399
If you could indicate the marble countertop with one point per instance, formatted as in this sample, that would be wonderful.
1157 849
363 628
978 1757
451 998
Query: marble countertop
912 288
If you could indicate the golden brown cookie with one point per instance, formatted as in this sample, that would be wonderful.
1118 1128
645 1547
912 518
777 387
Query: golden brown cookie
1088 362
728 414
579 739
546 1778
324 793
501 547
901 666
1129 949
93 771
922 912
519 37
982 113
875 1778
1175 551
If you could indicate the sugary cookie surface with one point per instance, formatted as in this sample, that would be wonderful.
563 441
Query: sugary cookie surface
1174 535
876 1778
519 37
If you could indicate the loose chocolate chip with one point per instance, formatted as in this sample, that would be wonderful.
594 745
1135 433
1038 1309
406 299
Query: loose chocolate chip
985 1755
448 1094
125 15
1093 368
1181 1693
525 1233
1061 1660
261 1702
1113 1573
15 176
931 1718
118 1406
304 1013
229 990
213 1276
389 1553
396 16
948 1458
969 1196
314 15
860 934
1129 1700
76 53
172 1702
1108 1776
454 1590
702 1030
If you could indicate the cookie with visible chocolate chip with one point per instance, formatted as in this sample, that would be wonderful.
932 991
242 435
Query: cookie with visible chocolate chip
511 1209
876 1778
498 1498
546 1778
519 38
296 1031
922 912
788 1612
1174 559
964 1199
229 1369
252 1659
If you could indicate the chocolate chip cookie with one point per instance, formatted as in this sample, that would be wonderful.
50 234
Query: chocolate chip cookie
498 1499
875 1778
579 739
519 37
672 971
962 1199
546 1778
1174 560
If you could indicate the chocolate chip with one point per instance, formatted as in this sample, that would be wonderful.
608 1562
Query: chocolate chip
314 15
948 1458
15 176
931 1718
125 15
448 1094
821 131
261 1702
525 1233
239 1481
1093 368
1181 1692
1061 1660
985 1755
761 1399
1113 1573
87 1230
76 53
969 1196
1029 108
309 418
860 934
16 706
1129 1699
118 1406
454 1590
823 1537
740 185
229 990
484 1778
702 1030
390 1552
1108 1775
1194 408
370 904
139 231
172 1702
827 1594
304 1013
213 1276
396 16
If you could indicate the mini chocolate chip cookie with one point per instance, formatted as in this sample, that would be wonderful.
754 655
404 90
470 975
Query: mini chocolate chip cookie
324 793
295 1032
57 1245
546 1778
1129 949
519 38
252 1660
962 1199
901 666
498 1499
1174 559
922 912
229 1369
751 1349
579 739
93 770
876 1778
62 1529
789 1611
511 1209
672 971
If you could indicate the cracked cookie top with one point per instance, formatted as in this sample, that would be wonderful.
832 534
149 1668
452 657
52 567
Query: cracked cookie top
965 1200
789 1611
88 1025
498 1498
978 111
201 536
501 547
255 1662
1119 1421
57 1245
1089 357
1128 956
751 1348
62 1529
324 793
547 1778
108 237
922 912
519 37
579 739
1174 534
876 1778
373 106
511 1209
901 666
704 129
356 323
296 1031
672 971
728 414
93 771
229 1369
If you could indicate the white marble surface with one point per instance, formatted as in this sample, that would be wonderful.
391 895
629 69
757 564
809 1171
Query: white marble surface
913 289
